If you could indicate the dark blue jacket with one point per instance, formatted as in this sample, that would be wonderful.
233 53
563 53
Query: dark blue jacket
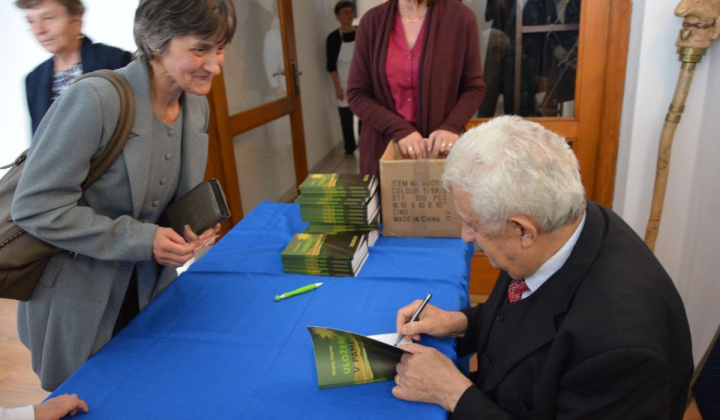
38 84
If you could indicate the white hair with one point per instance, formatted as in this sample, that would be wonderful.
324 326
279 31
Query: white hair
511 166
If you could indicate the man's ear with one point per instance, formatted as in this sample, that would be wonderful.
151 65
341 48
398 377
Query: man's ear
524 229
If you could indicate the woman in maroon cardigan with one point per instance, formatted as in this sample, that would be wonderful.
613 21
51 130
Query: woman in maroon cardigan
416 74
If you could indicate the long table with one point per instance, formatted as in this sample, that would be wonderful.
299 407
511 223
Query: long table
216 345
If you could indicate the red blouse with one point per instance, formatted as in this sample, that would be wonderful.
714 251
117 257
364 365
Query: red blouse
401 67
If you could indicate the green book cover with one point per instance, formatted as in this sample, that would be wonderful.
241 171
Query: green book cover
361 251
326 266
339 184
335 218
295 259
319 227
317 272
340 254
365 209
360 211
327 218
373 233
328 245
343 358
320 262
314 227
331 200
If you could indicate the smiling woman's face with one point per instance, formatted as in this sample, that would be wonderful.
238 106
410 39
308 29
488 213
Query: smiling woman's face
54 28
192 62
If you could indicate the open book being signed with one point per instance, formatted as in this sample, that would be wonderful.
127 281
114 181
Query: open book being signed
344 358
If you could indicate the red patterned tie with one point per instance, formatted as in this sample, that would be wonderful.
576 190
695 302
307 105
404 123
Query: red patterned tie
516 289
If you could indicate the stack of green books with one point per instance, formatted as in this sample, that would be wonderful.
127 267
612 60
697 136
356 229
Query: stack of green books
337 203
340 185
336 254
362 211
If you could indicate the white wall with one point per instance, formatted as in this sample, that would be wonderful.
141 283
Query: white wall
688 229
107 22
320 116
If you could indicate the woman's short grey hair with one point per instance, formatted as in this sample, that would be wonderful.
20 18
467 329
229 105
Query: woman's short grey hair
512 166
73 7
157 22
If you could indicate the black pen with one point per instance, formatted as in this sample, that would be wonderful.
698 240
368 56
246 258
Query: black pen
415 316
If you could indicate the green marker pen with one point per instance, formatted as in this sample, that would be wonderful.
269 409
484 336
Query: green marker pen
303 289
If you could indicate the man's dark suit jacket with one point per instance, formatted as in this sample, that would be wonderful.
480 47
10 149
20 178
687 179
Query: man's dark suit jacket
38 83
606 337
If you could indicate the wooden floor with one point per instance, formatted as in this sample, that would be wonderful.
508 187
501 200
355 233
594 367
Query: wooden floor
20 386
338 162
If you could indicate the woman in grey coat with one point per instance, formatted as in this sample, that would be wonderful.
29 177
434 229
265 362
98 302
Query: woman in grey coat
124 259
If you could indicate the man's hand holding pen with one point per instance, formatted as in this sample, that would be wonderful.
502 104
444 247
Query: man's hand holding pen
432 321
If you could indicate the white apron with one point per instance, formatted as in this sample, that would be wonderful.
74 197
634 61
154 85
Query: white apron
343 67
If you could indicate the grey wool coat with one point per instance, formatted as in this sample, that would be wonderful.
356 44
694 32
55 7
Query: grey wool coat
74 307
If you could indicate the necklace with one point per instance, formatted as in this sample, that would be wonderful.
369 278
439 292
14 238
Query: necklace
411 20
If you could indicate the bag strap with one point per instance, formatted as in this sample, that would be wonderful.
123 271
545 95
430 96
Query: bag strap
119 138
18 160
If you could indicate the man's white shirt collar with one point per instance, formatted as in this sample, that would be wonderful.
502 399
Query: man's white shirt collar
552 265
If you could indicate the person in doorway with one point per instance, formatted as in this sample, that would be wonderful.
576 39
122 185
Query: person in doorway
416 78
57 26
122 257
583 322
339 48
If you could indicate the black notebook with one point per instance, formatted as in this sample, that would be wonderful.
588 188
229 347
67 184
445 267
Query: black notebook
201 208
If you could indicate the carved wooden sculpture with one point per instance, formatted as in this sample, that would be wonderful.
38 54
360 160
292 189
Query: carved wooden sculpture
700 29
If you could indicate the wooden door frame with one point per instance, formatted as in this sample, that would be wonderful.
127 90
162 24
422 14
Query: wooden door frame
611 109
223 127
221 154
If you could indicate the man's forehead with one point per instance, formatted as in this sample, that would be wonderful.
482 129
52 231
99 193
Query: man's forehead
462 206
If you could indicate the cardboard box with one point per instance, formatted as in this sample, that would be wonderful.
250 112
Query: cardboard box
413 200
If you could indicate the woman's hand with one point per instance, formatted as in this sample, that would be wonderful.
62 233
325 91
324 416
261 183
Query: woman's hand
171 249
59 407
339 93
441 142
413 146
206 238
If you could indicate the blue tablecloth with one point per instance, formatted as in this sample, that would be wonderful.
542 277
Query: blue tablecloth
216 345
